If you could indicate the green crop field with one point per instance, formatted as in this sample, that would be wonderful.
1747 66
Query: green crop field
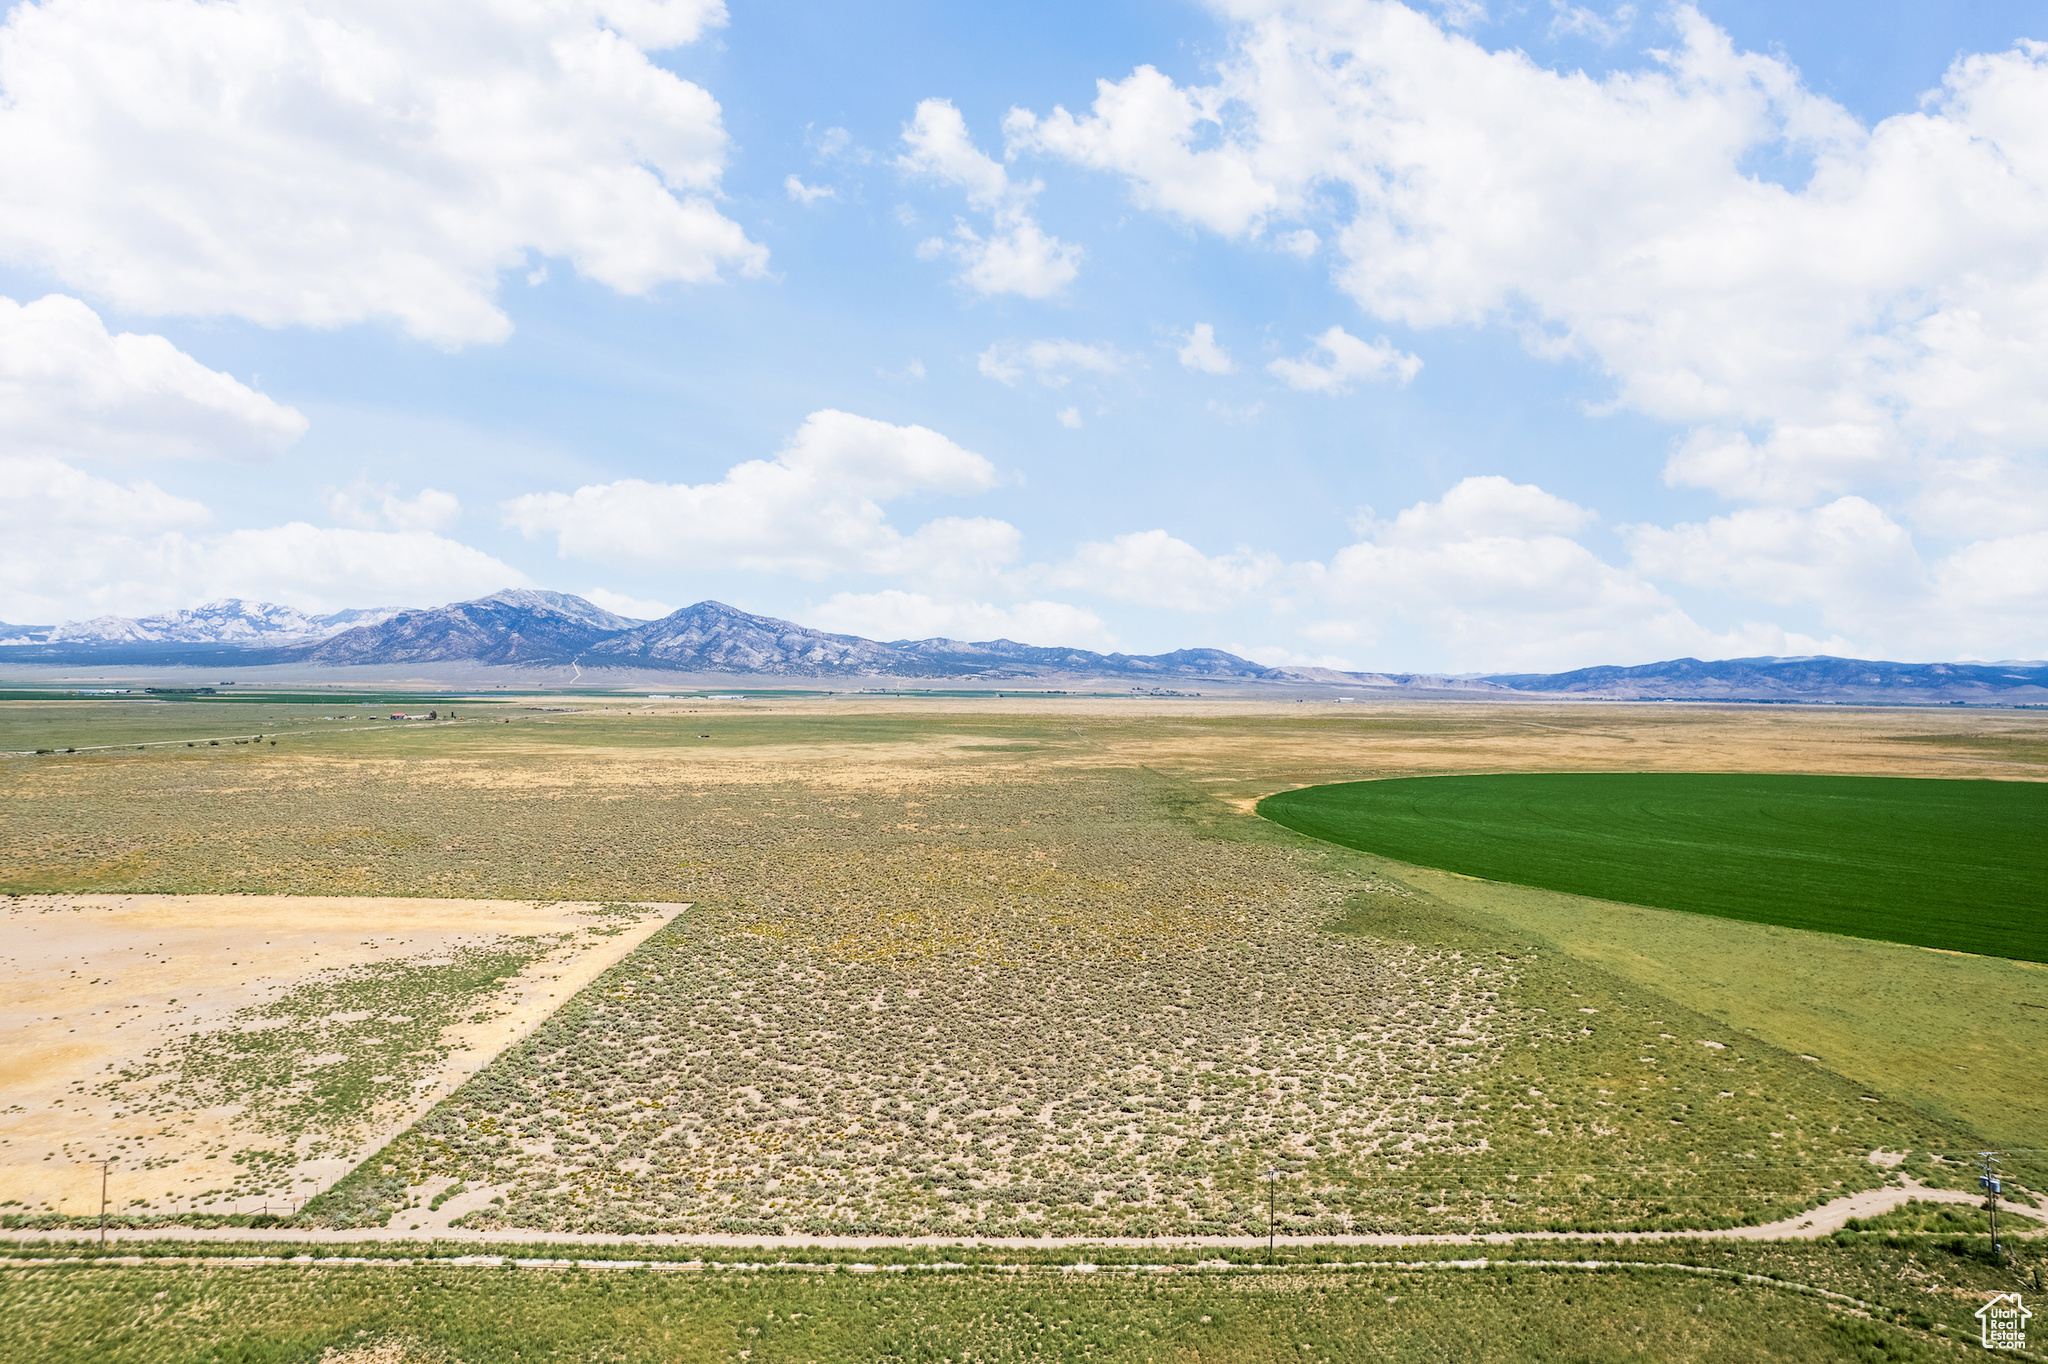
1936 863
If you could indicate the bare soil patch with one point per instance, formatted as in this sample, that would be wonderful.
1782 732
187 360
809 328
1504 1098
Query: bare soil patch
177 1034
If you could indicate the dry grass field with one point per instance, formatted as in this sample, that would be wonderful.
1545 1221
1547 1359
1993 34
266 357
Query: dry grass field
1032 966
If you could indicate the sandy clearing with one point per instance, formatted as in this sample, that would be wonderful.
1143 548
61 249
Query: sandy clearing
90 983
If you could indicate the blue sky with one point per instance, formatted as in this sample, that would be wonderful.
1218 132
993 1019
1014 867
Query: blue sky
1458 337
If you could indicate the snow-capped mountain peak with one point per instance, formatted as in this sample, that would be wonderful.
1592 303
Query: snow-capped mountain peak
227 621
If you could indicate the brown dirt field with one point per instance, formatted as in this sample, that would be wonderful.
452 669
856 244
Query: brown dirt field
92 983
1268 745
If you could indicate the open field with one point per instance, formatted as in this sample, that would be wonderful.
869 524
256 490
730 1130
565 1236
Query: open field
1870 1297
1948 864
1953 1035
231 1052
970 967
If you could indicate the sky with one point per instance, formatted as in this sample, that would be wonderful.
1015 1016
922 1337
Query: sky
1455 337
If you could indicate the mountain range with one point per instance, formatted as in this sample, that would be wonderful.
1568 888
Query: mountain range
228 621
530 629
550 629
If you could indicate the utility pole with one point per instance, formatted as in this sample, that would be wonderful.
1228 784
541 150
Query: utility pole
106 1166
1987 1161
1272 1178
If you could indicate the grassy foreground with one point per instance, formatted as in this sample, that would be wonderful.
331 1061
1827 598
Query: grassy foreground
1945 864
1900 1299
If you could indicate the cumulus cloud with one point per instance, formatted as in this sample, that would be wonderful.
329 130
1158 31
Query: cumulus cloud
1052 362
1487 507
81 545
1871 323
1147 129
638 608
70 388
1893 301
1991 495
807 194
1016 255
1490 575
1863 574
1999 588
1199 350
375 506
1153 568
813 510
1301 243
294 163
1848 554
1346 360
1792 464
896 614
1580 22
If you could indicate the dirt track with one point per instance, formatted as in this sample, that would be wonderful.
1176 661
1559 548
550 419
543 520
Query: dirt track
1811 1225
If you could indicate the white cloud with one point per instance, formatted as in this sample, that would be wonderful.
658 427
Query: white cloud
1301 243
374 506
807 194
1198 350
1863 574
1053 362
1490 576
1069 417
939 148
1147 128
638 608
1987 496
295 163
896 614
2000 589
1279 656
1580 22
1235 416
1793 464
1461 13
1153 568
1849 556
79 545
46 493
1482 508
1349 361
1016 256
69 388
812 510
1870 321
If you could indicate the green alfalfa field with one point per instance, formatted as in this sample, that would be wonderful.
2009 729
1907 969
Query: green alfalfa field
1948 864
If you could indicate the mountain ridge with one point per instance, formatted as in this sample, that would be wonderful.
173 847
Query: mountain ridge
1798 678
227 620
534 628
